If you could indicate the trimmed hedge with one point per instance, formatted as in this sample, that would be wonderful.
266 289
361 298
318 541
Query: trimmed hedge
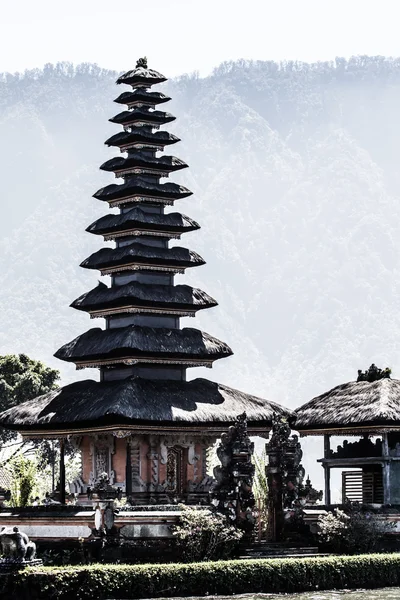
198 579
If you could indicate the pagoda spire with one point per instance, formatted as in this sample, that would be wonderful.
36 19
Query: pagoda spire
142 306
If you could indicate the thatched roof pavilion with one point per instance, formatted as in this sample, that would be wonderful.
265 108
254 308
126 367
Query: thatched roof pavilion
367 408
353 408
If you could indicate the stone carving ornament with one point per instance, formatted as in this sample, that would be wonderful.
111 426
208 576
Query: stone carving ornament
285 475
232 493
103 490
102 448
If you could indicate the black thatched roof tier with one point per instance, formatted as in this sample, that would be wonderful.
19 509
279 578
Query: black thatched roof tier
137 219
142 96
140 115
142 76
139 186
138 402
354 406
139 162
139 136
143 344
138 294
143 256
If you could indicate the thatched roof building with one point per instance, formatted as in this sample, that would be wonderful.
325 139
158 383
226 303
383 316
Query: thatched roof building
367 408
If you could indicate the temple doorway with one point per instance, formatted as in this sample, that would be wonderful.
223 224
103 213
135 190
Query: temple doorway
175 480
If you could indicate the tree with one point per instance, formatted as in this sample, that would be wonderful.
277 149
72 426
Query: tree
21 379
23 480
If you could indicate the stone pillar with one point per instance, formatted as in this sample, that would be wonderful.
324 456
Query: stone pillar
128 469
154 457
327 470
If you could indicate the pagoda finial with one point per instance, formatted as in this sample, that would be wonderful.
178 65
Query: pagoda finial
142 63
374 374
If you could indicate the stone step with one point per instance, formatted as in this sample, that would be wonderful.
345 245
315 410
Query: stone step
270 556
271 550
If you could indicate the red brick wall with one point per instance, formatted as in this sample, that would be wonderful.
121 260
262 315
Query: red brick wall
119 460
87 463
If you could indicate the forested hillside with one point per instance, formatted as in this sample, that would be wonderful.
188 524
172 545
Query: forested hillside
296 181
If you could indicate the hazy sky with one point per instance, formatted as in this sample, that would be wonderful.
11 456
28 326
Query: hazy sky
181 36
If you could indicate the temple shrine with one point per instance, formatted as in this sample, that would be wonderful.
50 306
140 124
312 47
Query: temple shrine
143 426
367 411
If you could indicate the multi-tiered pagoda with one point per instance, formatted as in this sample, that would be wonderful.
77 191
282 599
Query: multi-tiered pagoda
143 423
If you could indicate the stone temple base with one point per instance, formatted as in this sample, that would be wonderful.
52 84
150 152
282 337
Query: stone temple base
12 564
139 534
47 523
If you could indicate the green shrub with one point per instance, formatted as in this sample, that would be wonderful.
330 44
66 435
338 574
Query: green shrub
199 579
353 531
203 535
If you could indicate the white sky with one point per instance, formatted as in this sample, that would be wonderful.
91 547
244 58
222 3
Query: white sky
181 36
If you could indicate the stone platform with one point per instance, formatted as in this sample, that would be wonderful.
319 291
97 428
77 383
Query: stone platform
8 565
72 523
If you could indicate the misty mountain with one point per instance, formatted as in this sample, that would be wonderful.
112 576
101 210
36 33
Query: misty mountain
294 169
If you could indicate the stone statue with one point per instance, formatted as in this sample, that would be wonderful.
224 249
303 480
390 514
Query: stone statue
15 544
285 475
103 489
232 493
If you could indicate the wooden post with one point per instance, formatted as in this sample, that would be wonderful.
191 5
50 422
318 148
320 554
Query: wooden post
62 471
386 469
128 469
385 445
53 466
327 470
259 529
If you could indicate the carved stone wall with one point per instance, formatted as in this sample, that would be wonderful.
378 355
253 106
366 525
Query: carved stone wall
101 449
164 467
